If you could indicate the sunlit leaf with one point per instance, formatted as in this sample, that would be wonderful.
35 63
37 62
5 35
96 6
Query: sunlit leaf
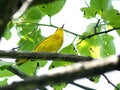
3 68
29 42
97 46
90 29
67 50
55 64
89 46
94 79
5 64
112 16
97 7
118 86
118 31
53 7
101 4
7 35
5 73
28 67
4 82
33 14
59 86
89 12
25 28
107 45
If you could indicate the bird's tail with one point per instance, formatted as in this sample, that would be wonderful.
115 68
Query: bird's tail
20 61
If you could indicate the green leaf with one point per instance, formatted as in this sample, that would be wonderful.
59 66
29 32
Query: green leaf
51 8
97 46
55 64
5 73
28 67
90 29
30 42
68 49
89 12
7 35
101 4
25 28
59 86
118 32
33 14
97 7
94 79
107 45
112 16
89 46
5 64
4 82
118 86
3 68
115 22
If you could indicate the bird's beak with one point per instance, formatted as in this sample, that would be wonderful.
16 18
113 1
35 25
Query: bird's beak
63 26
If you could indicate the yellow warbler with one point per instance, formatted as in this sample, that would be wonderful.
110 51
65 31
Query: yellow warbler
50 44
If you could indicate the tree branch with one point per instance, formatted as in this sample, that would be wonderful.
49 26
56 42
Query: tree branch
43 56
68 73
102 32
18 72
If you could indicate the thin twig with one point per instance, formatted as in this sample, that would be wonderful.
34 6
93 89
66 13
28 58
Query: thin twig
18 72
64 29
110 82
50 25
50 20
102 32
86 3
96 26
81 86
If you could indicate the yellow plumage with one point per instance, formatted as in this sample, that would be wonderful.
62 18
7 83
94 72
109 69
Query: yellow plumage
51 44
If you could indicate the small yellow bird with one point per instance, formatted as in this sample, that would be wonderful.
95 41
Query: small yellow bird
50 44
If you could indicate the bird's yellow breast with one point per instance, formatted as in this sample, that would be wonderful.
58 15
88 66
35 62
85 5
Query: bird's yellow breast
51 43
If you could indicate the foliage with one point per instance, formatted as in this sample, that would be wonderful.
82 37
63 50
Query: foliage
118 86
91 43
4 82
52 8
